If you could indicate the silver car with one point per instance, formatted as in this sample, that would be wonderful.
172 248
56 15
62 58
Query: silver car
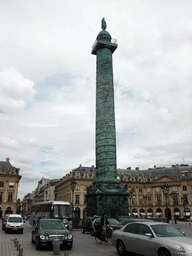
152 238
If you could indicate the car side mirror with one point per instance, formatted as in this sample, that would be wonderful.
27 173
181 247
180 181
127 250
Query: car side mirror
149 235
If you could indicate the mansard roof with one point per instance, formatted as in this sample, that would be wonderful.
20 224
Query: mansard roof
175 171
7 165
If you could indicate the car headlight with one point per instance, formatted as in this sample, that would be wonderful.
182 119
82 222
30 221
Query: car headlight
180 248
70 236
42 237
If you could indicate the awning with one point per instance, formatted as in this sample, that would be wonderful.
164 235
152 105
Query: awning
142 213
177 213
149 213
187 213
135 213
158 213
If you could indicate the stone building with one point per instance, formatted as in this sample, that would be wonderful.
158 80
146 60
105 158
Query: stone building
9 182
156 192
45 190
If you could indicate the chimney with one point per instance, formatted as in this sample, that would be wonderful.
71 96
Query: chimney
128 168
137 168
7 159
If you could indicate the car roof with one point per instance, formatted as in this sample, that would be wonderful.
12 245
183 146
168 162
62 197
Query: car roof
15 215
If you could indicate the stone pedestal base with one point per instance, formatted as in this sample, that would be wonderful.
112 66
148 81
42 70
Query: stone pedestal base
110 198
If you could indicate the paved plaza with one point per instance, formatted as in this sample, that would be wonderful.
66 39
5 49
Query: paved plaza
84 244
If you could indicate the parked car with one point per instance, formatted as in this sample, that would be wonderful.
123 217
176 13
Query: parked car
189 219
47 230
97 224
150 239
14 223
86 225
129 220
4 220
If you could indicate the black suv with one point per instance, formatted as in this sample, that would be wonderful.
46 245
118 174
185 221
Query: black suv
86 224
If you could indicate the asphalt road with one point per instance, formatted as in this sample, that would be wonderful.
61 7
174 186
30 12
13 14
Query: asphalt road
84 244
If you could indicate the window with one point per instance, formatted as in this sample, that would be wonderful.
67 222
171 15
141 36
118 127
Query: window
1 184
1 196
148 190
140 190
85 199
11 184
77 175
77 199
143 229
85 175
10 197
149 200
77 187
158 200
85 188
157 189
133 201
185 199
132 228
175 200
174 188
184 188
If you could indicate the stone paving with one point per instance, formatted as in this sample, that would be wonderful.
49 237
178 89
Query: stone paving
84 244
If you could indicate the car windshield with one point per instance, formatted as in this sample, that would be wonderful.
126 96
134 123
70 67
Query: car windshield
51 225
15 219
166 231
113 221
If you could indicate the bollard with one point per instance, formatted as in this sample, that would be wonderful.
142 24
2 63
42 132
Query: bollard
17 245
56 247
15 241
21 251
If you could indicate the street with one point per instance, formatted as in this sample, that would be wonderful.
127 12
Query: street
84 244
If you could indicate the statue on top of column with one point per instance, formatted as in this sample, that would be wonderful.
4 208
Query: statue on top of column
103 24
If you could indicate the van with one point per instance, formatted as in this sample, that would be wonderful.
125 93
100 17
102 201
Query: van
14 223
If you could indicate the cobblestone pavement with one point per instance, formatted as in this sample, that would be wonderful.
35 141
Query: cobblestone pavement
84 244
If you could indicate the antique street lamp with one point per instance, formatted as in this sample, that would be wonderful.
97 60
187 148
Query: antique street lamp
72 185
174 197
165 189
145 200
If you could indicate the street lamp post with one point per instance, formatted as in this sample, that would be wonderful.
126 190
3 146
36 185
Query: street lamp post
165 189
145 200
174 197
184 203
72 185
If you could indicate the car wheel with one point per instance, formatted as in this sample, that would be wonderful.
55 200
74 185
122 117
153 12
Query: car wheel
92 232
6 231
121 250
21 231
82 230
37 245
164 252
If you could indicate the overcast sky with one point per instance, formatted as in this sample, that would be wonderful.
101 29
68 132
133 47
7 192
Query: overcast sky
48 84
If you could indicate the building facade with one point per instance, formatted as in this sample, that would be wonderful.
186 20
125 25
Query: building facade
156 192
9 182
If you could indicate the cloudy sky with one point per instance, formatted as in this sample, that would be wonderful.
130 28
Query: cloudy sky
48 77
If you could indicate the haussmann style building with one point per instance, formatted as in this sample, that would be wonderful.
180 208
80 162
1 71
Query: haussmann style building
9 182
155 192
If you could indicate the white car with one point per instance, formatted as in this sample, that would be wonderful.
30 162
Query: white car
14 223
151 239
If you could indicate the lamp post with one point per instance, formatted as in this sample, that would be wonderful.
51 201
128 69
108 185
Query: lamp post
174 197
72 185
145 200
184 203
165 189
